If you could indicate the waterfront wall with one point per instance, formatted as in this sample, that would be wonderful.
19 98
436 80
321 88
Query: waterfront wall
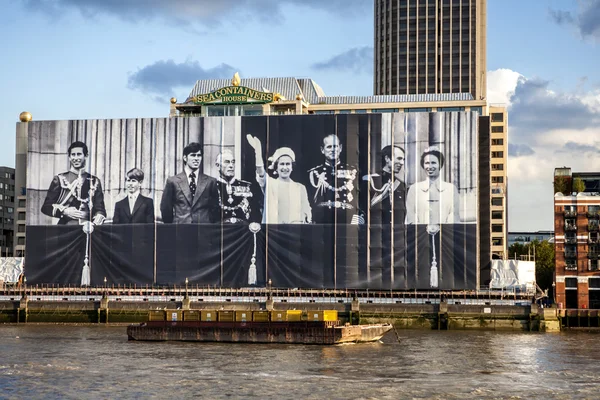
441 316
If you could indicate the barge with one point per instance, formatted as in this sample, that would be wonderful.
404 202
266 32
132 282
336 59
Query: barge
291 327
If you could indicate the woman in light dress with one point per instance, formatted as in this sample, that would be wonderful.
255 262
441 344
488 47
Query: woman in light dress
432 201
286 201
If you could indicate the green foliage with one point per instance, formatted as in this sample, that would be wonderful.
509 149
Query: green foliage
578 185
544 259
561 184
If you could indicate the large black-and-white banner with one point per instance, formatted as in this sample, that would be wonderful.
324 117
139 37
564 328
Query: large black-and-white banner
329 201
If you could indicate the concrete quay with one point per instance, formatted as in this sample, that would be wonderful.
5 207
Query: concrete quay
484 310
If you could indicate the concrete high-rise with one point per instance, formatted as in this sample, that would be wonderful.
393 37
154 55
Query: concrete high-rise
430 46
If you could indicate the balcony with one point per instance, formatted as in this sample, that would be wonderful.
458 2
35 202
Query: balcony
570 227
593 255
570 213
571 241
593 227
570 254
571 267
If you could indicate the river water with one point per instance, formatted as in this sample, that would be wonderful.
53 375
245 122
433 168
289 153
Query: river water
97 362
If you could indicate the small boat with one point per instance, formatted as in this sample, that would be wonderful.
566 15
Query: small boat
273 330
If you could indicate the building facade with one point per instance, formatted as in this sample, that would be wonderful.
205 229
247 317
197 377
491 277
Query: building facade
499 179
528 237
7 210
289 96
430 46
577 240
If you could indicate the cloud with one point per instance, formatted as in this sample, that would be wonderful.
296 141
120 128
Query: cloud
519 150
579 148
357 60
587 19
535 108
185 12
501 85
164 76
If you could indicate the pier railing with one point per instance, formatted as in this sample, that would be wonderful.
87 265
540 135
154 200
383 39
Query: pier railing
251 294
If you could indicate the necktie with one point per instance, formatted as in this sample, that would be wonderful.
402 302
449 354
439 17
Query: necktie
193 184
131 204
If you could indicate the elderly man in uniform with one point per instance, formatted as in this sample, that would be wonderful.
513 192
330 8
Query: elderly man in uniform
335 198
235 195
388 190
387 202
75 196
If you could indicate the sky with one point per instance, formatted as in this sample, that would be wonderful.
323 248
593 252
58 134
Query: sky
87 59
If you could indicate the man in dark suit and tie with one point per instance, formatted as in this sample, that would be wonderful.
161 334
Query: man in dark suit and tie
191 197
135 208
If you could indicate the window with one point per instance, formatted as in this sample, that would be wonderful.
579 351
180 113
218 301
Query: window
498 129
324 112
21 228
21 241
497 201
21 216
499 228
451 109
497 241
497 154
1 197
10 210
423 109
497 179
571 283
497 214
384 110
497 167
497 117
594 283
344 111
497 142
360 111
22 203
477 109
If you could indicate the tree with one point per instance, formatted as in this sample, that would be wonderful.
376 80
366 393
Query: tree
561 184
544 263
578 185
544 259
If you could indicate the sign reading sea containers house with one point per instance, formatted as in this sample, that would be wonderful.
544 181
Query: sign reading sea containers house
313 201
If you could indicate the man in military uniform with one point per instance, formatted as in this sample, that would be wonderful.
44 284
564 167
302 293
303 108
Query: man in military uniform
387 188
387 202
235 195
335 198
75 196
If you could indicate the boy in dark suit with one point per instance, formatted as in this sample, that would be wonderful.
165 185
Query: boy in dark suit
135 208
191 197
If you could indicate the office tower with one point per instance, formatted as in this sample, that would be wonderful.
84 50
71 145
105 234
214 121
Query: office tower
430 46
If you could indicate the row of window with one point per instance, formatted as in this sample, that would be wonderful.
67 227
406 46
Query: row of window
388 110
10 199
7 186
497 179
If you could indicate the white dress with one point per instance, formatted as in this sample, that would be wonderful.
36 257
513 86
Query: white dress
286 202
432 203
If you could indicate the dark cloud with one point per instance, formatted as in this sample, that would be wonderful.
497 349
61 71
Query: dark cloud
162 77
357 60
534 109
587 19
578 148
519 150
206 12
